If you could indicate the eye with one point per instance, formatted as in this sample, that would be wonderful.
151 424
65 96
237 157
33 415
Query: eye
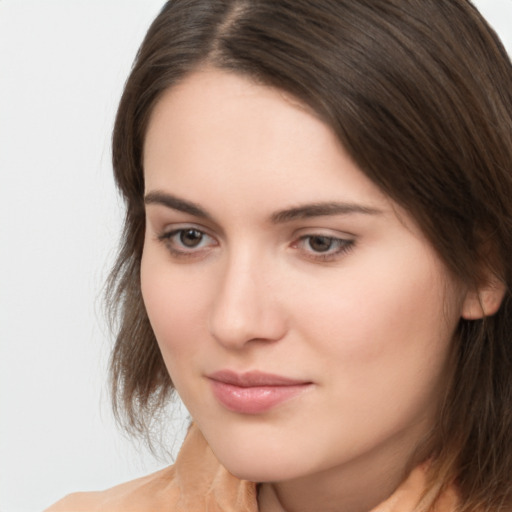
323 247
187 241
320 243
190 238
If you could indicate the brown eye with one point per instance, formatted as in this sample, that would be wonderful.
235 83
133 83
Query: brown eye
320 243
323 248
188 242
190 238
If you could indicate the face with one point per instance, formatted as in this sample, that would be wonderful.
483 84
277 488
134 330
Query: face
302 316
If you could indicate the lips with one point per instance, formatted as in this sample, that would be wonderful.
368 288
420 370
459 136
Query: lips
254 392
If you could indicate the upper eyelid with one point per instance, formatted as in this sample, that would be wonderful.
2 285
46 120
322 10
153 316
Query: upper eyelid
208 223
322 235
324 231
175 231
158 214
341 240
295 236
170 228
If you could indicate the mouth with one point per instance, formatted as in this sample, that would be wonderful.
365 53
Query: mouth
254 392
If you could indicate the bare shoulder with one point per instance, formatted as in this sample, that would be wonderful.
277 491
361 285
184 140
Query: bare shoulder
149 493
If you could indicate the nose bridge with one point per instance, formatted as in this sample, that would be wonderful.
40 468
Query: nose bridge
244 308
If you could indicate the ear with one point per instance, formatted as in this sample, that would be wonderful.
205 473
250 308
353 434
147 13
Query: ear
485 300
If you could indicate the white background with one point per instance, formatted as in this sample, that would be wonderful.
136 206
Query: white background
62 67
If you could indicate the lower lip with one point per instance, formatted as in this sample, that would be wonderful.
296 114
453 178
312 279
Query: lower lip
254 400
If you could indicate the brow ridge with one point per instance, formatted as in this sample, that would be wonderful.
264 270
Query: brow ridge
322 210
310 210
176 203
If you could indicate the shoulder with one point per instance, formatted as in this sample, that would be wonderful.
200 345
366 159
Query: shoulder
149 493
196 482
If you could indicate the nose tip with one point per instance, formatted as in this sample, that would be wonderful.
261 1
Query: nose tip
245 310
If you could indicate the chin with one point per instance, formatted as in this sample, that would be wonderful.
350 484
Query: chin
260 461
261 470
261 449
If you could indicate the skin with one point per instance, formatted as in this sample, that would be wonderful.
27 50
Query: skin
368 322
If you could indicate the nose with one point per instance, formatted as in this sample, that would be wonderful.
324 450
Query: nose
246 308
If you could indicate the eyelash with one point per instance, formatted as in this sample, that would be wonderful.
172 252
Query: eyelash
342 245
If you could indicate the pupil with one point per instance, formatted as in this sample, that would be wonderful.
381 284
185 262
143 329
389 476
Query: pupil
320 243
190 237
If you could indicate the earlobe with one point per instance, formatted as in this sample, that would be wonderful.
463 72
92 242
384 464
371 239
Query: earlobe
484 301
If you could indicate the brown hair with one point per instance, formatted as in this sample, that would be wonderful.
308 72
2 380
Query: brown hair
419 93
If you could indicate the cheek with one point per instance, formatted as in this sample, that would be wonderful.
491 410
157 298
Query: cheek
385 353
175 304
378 324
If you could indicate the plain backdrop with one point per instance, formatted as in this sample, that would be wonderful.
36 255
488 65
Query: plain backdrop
62 67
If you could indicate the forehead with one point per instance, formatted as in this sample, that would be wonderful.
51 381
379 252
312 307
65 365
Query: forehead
213 103
223 130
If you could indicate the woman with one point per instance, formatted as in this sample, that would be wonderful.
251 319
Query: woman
316 252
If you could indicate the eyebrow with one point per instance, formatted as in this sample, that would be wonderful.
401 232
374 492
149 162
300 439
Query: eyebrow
305 211
321 210
176 203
